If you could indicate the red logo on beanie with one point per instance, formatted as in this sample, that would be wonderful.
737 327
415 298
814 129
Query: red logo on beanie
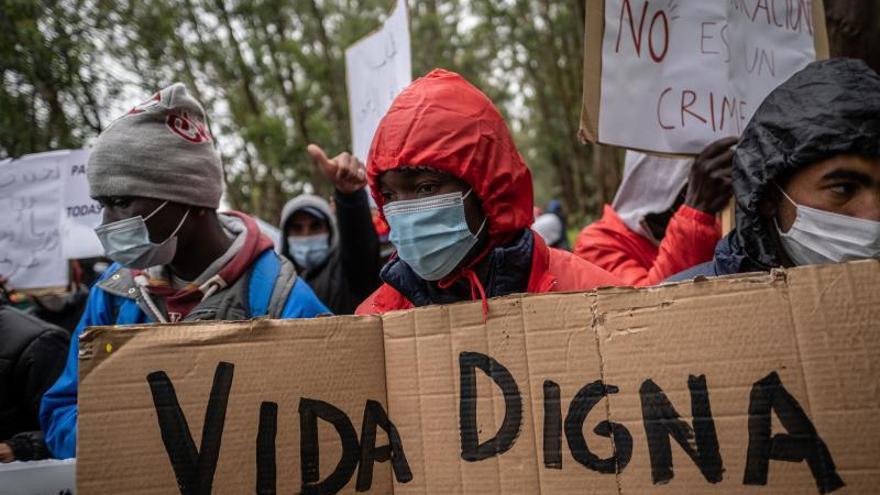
145 105
189 128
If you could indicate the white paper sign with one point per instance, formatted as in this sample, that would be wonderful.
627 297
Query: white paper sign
80 214
49 477
678 74
378 68
48 217
30 231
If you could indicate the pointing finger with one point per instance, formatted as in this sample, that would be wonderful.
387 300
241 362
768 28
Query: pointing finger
319 156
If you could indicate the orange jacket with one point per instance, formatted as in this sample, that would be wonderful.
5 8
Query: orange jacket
690 240
442 121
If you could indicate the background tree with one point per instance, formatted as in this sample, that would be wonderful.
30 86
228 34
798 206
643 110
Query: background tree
538 53
53 90
271 74
854 30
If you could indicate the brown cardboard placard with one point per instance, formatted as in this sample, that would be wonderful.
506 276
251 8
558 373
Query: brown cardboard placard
761 383
275 370
742 353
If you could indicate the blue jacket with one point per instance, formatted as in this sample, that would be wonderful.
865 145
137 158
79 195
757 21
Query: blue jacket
729 259
58 409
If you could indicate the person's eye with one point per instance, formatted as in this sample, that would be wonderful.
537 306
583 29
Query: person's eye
387 196
843 190
118 202
426 188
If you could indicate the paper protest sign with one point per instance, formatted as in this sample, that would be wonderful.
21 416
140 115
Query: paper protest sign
80 214
377 69
48 477
671 76
30 231
765 383
50 217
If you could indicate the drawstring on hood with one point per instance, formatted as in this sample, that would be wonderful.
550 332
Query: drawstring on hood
213 284
248 245
476 285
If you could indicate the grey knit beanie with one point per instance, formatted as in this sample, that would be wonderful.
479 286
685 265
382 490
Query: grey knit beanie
160 149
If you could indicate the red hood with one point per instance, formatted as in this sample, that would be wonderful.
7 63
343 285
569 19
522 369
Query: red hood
443 122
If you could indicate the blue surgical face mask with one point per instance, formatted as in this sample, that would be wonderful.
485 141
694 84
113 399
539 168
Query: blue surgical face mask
431 234
127 242
308 250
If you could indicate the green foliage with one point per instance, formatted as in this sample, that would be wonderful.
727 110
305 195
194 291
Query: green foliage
271 74
52 87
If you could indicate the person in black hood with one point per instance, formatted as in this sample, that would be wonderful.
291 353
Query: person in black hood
32 355
337 254
807 174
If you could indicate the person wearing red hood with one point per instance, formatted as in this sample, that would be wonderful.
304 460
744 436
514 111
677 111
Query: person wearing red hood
457 196
662 220
157 175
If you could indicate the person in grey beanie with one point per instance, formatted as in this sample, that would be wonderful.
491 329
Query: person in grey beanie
337 252
158 176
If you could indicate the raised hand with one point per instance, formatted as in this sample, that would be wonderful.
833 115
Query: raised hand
711 177
345 171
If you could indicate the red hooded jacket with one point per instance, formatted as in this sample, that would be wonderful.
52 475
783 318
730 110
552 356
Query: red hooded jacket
690 240
443 122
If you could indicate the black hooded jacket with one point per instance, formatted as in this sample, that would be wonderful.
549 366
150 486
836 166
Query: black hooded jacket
350 272
830 108
32 355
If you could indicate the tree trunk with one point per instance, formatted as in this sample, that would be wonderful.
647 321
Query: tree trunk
854 30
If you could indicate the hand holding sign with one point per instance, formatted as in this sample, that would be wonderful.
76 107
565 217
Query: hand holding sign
709 184
6 453
345 171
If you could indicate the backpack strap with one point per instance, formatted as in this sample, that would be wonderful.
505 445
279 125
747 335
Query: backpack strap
271 280
283 285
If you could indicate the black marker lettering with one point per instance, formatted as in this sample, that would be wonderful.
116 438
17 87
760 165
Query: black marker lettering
580 407
309 412
661 421
552 426
510 426
268 428
375 416
193 468
801 443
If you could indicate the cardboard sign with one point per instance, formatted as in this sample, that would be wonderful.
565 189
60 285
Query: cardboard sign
237 407
672 76
764 383
377 69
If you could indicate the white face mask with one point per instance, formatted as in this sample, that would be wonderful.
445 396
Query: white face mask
819 237
127 242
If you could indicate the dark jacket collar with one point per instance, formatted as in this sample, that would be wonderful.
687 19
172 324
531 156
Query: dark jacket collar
731 257
509 269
